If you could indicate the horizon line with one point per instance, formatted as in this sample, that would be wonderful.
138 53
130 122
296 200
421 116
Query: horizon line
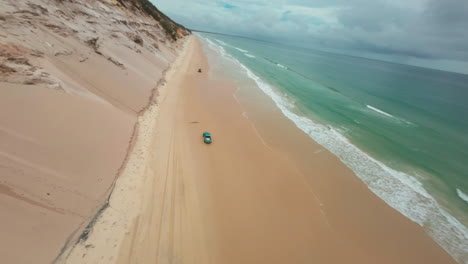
326 51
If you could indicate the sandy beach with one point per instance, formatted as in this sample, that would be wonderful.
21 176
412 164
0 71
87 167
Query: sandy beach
249 197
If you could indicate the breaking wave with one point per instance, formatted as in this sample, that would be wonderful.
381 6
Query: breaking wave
401 120
241 50
281 66
462 195
379 111
221 42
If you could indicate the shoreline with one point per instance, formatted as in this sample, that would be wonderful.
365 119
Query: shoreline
434 218
266 120
240 200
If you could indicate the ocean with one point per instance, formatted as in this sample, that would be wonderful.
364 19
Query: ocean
402 129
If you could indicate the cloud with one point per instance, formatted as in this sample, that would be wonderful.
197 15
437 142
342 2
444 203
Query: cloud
432 29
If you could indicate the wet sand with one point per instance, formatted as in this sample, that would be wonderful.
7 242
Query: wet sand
249 197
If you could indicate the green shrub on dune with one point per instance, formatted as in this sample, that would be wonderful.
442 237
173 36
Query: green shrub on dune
172 29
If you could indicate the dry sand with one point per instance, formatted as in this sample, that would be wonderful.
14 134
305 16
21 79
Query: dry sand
250 197
73 82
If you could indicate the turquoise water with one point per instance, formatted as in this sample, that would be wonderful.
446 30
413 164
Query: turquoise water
402 129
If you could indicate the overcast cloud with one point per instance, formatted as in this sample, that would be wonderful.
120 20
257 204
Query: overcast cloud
420 29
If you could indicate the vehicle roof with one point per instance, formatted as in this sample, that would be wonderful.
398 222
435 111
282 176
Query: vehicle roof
206 134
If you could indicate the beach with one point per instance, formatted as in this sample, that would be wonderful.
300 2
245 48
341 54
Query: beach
319 155
262 192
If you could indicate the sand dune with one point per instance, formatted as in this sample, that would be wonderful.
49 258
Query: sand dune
74 77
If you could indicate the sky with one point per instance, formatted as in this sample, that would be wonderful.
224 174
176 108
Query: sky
431 33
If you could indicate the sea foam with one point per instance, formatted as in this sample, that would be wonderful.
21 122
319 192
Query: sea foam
398 189
281 66
401 120
462 195
221 42
241 50
378 111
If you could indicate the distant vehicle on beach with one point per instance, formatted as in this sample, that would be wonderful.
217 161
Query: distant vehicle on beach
199 70
207 138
